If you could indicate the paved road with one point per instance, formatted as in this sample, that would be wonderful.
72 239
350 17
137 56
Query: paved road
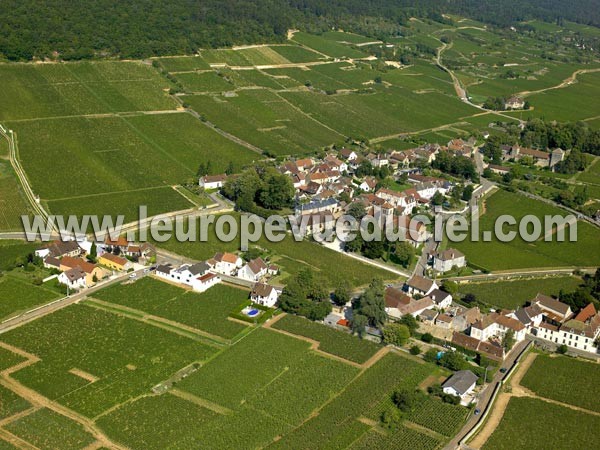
41 311
486 394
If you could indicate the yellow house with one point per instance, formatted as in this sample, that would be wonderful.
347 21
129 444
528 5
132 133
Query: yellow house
114 262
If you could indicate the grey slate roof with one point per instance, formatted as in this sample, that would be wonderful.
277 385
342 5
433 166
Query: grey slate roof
461 381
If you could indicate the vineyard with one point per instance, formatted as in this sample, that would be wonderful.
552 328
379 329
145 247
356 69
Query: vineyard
330 341
401 439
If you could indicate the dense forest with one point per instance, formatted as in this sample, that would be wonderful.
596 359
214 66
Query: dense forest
78 29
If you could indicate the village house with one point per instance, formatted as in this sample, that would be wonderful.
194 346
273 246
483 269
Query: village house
458 318
204 282
209 182
496 325
330 205
514 102
253 271
336 164
52 263
226 263
530 316
428 316
305 164
492 350
93 273
441 299
318 223
73 278
394 300
417 285
447 260
348 154
114 262
416 307
264 294
405 200
460 384
58 249
368 184
552 309
499 170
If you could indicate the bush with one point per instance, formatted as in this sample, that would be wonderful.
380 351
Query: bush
427 337
562 349
415 350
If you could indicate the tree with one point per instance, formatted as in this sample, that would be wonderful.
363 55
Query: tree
358 325
467 194
403 253
357 210
371 304
451 287
374 249
341 295
437 199
415 350
410 322
508 340
396 334
431 355
407 400
230 168
453 361
470 298
93 250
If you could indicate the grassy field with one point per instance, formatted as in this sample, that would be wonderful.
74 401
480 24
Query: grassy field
17 296
207 311
514 293
331 341
12 249
48 430
527 422
569 383
327 46
13 203
125 357
517 254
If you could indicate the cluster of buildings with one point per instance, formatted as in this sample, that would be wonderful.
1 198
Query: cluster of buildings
203 275
77 271
544 318
325 188
539 157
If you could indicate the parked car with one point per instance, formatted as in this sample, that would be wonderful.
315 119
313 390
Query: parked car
477 411
133 275
503 370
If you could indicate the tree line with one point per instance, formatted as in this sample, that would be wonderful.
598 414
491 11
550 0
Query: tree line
73 30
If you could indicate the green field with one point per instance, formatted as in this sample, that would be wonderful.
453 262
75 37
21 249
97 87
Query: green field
183 63
17 296
207 311
10 250
514 293
11 403
527 422
327 46
570 381
331 341
265 120
9 359
518 254
13 203
126 357
48 430
56 90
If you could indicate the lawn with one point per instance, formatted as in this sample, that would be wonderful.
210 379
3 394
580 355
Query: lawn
125 357
207 311
330 341
510 294
17 296
527 422
519 254
48 430
569 383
